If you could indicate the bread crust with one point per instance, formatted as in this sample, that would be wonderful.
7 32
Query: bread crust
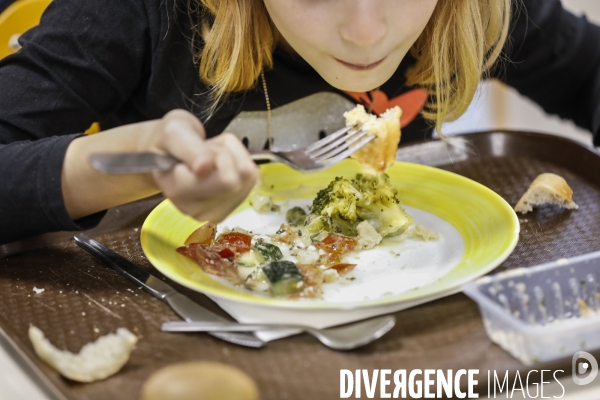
380 153
547 188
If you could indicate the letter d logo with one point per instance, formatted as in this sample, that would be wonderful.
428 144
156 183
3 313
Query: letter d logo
583 367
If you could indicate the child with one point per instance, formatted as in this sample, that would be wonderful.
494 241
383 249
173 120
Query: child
151 71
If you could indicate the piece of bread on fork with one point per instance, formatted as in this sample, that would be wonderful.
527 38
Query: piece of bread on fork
380 153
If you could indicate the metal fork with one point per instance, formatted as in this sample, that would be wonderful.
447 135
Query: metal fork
317 156
344 337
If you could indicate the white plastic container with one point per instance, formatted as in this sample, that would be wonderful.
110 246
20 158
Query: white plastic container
545 312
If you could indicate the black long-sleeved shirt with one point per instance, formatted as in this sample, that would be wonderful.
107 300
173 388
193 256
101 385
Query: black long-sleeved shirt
120 62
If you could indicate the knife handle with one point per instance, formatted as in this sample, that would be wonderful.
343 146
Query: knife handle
162 290
154 286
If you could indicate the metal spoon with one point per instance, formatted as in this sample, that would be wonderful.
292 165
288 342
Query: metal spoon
345 337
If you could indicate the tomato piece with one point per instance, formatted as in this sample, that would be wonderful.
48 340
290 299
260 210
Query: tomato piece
210 261
335 246
329 258
313 275
203 235
240 242
226 252
339 243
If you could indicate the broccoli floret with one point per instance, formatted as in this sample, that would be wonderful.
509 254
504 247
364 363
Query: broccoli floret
379 204
295 216
334 209
341 206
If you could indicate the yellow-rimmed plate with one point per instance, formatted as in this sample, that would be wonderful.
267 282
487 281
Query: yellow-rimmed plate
484 223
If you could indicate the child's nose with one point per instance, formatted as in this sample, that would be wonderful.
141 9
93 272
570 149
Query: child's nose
364 23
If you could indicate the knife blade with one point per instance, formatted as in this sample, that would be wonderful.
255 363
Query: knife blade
181 304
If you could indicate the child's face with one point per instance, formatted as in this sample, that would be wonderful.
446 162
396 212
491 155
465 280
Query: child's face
355 45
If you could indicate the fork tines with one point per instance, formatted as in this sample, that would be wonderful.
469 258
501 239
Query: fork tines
339 145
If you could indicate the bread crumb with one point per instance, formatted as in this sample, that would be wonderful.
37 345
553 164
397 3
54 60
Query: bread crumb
418 232
38 291
368 237
330 275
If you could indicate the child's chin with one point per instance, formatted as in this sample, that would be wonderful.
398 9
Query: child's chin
356 81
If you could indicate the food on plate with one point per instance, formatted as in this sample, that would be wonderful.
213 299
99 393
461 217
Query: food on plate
345 203
380 153
368 237
295 216
262 203
95 361
310 248
285 277
199 380
203 236
419 232
286 263
547 188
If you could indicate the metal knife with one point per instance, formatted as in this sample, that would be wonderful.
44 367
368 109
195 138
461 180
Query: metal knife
182 305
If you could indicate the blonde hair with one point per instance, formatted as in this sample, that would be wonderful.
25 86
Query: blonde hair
461 42
239 39
458 47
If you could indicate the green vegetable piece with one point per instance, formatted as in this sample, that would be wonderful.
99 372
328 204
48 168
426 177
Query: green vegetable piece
249 259
295 216
379 204
257 281
263 203
334 209
344 204
285 278
267 251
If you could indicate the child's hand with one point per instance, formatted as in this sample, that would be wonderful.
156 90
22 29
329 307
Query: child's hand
215 175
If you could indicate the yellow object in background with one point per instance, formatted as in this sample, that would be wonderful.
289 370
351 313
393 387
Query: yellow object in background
95 128
18 18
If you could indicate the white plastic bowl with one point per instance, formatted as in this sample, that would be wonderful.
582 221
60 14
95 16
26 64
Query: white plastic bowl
545 312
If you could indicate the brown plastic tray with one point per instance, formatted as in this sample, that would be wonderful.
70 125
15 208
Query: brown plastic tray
443 334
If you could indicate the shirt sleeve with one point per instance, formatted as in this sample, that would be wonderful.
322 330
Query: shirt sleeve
33 202
81 63
554 59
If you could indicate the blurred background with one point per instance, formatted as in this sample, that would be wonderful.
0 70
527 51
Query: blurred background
499 106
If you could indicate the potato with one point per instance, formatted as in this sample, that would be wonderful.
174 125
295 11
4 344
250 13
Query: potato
199 381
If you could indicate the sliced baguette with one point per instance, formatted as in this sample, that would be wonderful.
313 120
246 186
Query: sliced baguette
547 188
379 154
